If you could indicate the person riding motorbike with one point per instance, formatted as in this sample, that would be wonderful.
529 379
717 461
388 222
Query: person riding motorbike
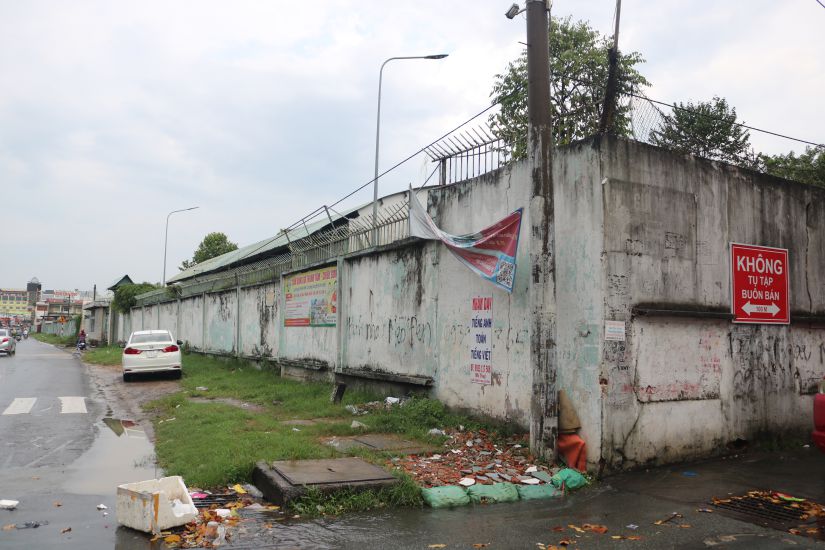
81 340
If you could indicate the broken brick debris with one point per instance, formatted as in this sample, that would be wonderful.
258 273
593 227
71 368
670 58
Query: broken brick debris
476 456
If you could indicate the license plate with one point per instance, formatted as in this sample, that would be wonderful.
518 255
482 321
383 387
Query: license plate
151 354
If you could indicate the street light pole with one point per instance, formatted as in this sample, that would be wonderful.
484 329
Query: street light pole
377 137
166 238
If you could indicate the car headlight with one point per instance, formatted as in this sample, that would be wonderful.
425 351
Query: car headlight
822 386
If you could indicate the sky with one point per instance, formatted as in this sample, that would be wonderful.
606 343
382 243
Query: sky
113 114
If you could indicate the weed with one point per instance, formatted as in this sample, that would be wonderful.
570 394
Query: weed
317 503
104 355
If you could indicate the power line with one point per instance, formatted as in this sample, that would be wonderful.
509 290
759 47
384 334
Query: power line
820 3
721 119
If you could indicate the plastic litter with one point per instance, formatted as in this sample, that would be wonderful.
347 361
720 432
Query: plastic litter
356 425
436 431
466 481
445 497
571 479
223 512
9 504
392 400
102 507
202 388
529 481
535 492
497 492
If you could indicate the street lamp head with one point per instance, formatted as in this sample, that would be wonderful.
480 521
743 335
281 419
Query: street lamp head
513 11
437 56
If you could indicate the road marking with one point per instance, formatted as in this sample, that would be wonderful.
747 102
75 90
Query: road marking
20 405
72 405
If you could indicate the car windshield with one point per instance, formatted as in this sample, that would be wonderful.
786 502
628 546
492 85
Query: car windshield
154 337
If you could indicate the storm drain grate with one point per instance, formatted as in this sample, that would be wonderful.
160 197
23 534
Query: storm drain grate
770 509
219 500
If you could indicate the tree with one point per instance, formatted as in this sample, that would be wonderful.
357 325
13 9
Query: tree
707 129
124 299
578 76
213 245
809 167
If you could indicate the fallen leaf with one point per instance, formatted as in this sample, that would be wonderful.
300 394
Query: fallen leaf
238 489
634 537
437 546
684 525
65 530
481 545
576 528
172 539
8 527
558 528
57 504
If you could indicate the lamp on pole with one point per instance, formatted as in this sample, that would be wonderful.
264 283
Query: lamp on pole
377 136
166 238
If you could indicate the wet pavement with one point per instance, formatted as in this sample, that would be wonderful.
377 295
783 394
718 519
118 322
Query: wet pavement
64 453
630 499
61 462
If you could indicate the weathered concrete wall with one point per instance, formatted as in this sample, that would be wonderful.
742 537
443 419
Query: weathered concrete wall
191 321
220 322
260 308
641 237
683 387
579 282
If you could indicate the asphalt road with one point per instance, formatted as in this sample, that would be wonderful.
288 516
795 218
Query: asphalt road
58 457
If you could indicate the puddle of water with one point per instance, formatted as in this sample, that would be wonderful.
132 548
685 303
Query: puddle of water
120 454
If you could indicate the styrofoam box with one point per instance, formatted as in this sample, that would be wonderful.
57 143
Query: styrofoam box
149 505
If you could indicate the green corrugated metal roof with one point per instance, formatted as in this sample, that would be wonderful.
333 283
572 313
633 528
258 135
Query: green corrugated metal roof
261 247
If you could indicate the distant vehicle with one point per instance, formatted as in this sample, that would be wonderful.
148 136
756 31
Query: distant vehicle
8 344
819 418
151 351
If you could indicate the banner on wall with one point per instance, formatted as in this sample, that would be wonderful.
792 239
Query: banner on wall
311 298
490 253
481 340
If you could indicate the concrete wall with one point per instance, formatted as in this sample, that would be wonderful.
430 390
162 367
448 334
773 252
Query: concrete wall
641 236
683 387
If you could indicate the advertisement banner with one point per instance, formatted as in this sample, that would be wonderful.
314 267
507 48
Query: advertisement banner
490 253
481 341
311 298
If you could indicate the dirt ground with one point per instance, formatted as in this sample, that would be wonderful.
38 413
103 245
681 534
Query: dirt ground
126 400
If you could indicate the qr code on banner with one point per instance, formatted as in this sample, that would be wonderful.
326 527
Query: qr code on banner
504 275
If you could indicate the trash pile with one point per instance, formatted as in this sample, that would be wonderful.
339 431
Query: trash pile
471 458
366 408
218 513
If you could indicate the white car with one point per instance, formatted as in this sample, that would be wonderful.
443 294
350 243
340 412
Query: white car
151 351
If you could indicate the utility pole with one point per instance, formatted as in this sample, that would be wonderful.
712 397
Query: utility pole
542 290
609 109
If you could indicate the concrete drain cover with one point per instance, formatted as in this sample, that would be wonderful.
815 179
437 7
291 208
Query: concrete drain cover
286 480
376 442
335 470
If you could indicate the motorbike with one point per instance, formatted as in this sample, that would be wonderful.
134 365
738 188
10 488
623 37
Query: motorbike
81 345
17 337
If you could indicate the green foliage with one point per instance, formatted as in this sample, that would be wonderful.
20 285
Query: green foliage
54 339
706 129
809 167
215 443
125 295
104 355
578 76
213 245
316 503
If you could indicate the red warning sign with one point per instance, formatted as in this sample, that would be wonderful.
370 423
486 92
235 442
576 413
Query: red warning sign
759 284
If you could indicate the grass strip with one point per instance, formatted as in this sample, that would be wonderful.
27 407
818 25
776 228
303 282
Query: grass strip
54 339
104 355
215 443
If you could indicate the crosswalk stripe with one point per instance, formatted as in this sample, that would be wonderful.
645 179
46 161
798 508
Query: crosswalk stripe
71 405
20 405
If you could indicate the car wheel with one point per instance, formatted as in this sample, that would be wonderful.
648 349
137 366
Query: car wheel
127 377
178 374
